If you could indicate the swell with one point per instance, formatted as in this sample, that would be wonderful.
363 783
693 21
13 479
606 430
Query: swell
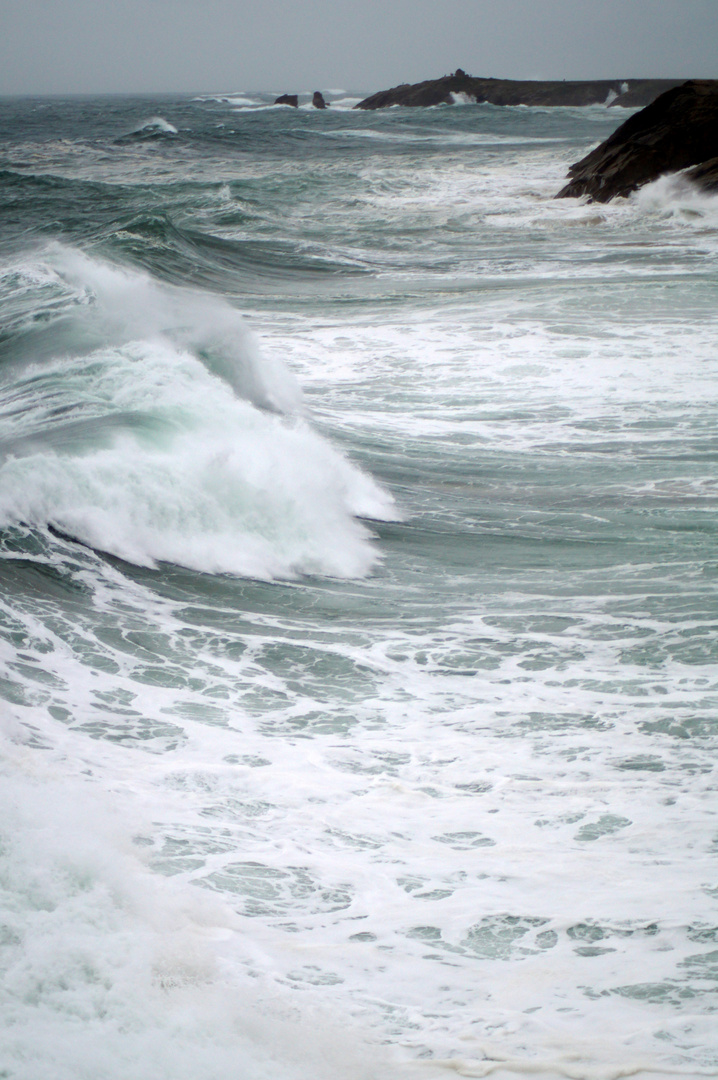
155 227
182 254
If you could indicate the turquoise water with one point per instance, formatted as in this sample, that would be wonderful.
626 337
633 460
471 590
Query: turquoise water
357 521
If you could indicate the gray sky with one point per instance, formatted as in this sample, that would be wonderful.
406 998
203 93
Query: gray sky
84 46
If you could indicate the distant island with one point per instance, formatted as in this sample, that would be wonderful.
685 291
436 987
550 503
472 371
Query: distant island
450 89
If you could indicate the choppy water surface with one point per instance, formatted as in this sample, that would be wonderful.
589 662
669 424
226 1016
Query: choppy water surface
358 631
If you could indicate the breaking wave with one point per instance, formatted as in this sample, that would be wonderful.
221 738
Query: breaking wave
154 128
143 421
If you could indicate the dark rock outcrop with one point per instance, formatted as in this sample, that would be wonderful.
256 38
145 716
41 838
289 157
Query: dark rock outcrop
318 100
288 99
631 92
679 129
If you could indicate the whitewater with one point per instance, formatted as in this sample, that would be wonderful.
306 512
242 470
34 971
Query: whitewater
358 673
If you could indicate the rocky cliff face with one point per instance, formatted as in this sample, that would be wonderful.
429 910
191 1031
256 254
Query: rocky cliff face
679 129
444 91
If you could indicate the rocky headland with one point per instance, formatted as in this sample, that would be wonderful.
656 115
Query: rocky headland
676 131
633 93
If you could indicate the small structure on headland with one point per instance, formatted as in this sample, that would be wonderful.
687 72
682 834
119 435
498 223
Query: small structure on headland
679 130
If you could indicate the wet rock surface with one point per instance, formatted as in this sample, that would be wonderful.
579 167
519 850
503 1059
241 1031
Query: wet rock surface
678 130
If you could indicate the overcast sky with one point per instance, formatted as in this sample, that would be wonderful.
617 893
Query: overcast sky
85 46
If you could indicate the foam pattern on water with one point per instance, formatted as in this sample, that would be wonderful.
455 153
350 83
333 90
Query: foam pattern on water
415 812
455 804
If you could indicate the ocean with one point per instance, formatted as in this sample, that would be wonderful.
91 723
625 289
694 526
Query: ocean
358 672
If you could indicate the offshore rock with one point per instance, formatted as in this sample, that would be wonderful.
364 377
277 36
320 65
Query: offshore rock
288 99
318 100
679 129
446 90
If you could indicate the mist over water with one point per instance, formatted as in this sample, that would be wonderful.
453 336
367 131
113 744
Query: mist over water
357 633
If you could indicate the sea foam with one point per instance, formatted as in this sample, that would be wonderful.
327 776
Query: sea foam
110 971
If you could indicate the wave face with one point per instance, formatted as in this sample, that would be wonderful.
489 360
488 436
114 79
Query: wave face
358 548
